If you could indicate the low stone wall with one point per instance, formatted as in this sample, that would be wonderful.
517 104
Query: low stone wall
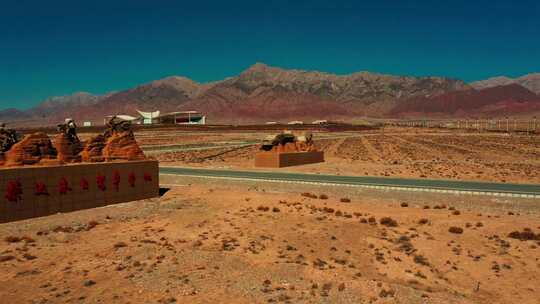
278 160
34 191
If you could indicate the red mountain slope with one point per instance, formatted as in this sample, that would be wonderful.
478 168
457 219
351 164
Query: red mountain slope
500 100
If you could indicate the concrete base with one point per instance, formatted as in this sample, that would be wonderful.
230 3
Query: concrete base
279 160
45 190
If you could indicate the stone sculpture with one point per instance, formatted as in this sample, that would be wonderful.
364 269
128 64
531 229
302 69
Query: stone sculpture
116 143
120 143
32 149
288 142
67 143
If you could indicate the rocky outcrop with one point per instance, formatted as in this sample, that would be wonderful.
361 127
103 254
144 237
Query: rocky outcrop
32 149
122 146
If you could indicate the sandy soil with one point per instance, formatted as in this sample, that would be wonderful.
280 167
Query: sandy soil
236 243
442 155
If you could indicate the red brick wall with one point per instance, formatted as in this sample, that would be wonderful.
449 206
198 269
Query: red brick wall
32 204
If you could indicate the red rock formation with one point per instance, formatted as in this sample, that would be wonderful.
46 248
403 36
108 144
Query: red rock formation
93 149
122 146
32 149
68 151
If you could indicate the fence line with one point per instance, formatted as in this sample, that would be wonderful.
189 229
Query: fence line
489 125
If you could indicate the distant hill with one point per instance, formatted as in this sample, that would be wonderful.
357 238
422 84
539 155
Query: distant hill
13 114
530 81
262 93
269 93
501 100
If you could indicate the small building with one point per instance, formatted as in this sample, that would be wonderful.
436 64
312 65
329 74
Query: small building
320 122
148 118
156 117
181 117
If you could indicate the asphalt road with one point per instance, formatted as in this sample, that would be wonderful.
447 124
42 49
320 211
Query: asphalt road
433 185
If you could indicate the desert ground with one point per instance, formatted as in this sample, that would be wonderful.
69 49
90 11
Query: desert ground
414 153
239 242
218 241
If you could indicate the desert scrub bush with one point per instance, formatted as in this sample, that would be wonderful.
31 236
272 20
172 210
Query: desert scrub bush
309 195
456 230
388 221
423 221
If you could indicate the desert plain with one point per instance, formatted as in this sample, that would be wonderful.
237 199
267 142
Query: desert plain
219 241
396 152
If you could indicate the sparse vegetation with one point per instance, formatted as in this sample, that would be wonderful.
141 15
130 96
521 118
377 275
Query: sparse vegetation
455 230
525 235
388 221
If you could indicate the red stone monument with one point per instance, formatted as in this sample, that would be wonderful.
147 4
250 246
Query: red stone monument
39 178
286 149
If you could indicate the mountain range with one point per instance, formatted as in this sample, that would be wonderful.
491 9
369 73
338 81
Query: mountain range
262 93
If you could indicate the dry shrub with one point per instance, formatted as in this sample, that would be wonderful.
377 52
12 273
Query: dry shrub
323 196
456 212
420 259
388 221
64 229
5 258
423 221
456 230
525 235
345 200
404 205
12 239
328 210
310 195
120 245
386 293
91 225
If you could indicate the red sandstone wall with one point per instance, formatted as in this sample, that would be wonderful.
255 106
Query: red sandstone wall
44 190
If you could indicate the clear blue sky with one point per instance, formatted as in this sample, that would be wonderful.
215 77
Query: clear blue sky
52 47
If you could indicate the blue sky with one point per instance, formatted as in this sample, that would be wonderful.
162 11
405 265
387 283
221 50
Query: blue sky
50 48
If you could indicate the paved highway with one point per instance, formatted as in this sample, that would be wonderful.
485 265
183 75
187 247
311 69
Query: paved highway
428 185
